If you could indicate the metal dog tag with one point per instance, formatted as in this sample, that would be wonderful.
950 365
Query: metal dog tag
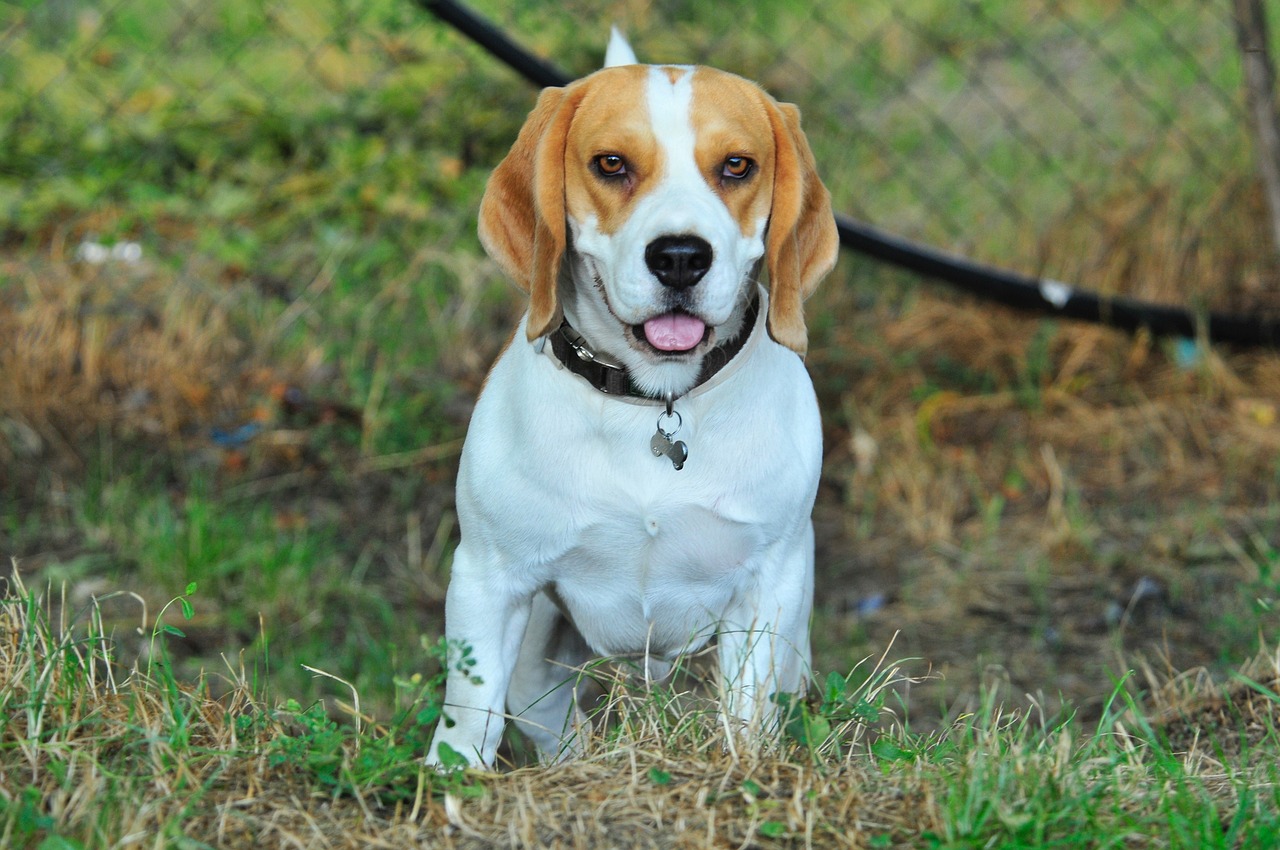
661 443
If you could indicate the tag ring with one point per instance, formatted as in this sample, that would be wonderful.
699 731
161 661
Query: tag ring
668 415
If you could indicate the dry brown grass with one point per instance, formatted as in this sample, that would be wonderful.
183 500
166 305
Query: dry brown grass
165 350
994 407
1162 246
1038 504
108 756
1222 721
126 757
89 337
1106 411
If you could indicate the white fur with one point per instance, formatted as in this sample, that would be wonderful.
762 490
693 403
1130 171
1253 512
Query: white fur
619 51
577 541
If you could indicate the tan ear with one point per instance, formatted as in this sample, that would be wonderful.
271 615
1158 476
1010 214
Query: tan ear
802 243
522 215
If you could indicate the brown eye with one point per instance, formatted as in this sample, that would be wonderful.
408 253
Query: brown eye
611 165
737 167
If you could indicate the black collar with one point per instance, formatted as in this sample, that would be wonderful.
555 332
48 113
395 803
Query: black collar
612 378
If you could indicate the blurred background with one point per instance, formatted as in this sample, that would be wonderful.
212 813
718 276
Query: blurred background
244 317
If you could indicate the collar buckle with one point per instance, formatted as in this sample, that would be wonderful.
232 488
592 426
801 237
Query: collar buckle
584 351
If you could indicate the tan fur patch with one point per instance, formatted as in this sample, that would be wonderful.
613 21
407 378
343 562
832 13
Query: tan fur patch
730 119
611 119
674 73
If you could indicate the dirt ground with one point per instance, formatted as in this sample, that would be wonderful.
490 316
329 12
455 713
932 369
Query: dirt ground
1119 514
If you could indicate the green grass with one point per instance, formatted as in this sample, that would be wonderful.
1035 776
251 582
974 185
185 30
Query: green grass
95 753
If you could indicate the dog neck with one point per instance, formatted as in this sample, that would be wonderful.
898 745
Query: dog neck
612 378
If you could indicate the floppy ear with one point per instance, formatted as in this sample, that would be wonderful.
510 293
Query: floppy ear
802 242
522 215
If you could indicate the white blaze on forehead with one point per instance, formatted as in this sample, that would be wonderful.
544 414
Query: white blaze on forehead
670 96
685 197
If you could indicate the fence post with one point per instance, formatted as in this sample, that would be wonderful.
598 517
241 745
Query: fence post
1259 86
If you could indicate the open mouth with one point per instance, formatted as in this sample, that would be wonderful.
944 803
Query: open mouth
674 333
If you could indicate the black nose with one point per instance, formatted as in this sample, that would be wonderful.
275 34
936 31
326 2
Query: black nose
678 261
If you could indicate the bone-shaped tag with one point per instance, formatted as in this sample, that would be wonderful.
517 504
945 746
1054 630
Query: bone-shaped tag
661 444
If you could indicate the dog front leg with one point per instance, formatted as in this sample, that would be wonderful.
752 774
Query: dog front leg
487 621
764 639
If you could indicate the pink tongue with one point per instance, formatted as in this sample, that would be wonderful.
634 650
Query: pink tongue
674 331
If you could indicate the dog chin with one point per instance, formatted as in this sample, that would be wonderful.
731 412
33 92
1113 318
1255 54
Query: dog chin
658 372
659 377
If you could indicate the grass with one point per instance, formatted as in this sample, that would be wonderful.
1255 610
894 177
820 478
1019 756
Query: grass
93 753
254 415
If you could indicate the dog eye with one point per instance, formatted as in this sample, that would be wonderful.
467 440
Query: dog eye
611 165
737 167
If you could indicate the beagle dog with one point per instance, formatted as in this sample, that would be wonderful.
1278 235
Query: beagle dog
640 468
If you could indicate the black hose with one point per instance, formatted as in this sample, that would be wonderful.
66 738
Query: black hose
1051 297
533 68
1037 295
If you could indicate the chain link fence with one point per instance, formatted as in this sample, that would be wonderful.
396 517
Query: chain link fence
1069 139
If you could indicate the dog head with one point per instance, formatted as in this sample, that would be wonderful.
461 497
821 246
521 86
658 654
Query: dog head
641 200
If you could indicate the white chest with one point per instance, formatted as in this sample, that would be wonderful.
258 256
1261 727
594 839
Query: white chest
654 577
559 491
